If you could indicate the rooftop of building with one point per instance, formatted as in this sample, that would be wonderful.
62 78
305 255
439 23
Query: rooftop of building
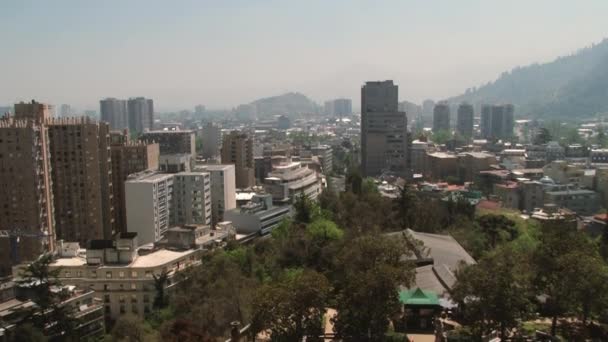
572 192
216 167
479 155
156 258
442 155
148 176
174 131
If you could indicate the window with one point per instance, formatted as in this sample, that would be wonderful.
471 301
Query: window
133 274
146 298
106 298
121 274
121 298
109 275
122 309
93 274
134 299
133 286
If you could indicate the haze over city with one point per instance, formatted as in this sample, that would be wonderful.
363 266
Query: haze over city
226 53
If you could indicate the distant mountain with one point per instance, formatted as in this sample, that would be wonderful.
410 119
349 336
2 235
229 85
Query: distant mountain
571 86
288 104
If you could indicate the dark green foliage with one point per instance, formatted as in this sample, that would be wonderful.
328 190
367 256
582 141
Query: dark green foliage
496 293
160 283
26 332
292 307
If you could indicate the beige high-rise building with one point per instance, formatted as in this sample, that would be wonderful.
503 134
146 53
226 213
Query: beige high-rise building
32 110
82 179
384 141
237 149
211 135
128 157
27 228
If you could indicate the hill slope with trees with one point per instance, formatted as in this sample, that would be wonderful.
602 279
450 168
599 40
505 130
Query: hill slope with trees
570 86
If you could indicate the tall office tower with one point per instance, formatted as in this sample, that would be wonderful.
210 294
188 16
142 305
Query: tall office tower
114 112
128 157
65 111
82 179
191 198
199 110
427 107
237 149
441 117
497 121
343 107
509 121
33 111
223 190
140 114
27 228
212 139
464 120
383 130
172 142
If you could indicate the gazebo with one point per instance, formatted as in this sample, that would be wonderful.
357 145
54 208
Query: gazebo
420 309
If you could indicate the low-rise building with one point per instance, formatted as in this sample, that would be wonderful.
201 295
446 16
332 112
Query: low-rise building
581 201
599 155
563 173
257 216
471 163
291 179
172 141
440 165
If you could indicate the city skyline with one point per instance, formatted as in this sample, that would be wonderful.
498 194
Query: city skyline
222 55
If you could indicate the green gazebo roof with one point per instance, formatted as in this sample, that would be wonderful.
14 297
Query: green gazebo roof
418 297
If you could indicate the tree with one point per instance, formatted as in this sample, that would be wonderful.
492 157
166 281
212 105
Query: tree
44 288
542 137
495 293
160 282
132 329
497 228
324 231
369 272
26 332
569 272
405 207
305 209
293 307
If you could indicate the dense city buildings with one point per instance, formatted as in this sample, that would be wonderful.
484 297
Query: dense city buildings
140 114
82 178
211 136
114 112
172 142
223 189
338 108
128 157
33 111
465 120
237 149
497 121
441 117
27 224
383 130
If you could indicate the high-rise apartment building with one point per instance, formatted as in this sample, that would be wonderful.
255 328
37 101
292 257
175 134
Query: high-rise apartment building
33 111
140 114
172 142
128 157
441 117
27 226
114 112
237 149
465 119
223 189
383 130
338 107
82 178
191 198
497 121
211 134
65 111
156 201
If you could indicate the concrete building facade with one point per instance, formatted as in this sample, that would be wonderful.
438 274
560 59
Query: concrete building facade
114 112
211 135
172 142
27 224
383 130
497 121
465 120
191 200
140 114
82 178
128 157
237 149
223 190
441 117
289 180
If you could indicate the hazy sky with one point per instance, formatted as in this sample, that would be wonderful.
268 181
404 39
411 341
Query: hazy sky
222 53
